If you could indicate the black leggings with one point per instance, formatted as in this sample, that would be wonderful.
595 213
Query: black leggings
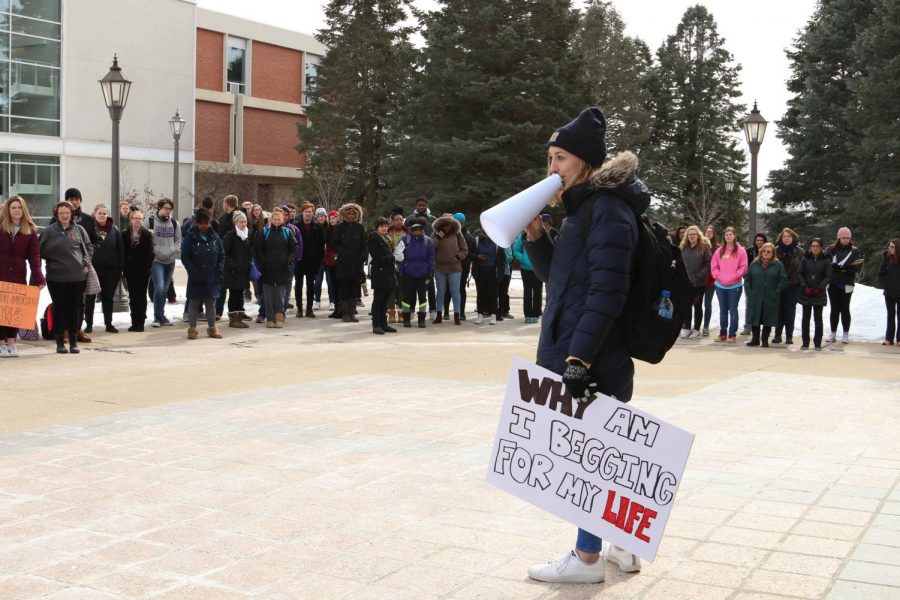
414 287
235 300
816 313
503 294
137 297
67 297
534 291
893 318
840 308
8 333
349 289
697 294
486 282
109 281
379 306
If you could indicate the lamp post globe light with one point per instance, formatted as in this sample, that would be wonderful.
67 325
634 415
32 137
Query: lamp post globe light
176 124
116 87
755 131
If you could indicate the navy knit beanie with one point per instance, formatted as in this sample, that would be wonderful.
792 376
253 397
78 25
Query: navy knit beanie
585 137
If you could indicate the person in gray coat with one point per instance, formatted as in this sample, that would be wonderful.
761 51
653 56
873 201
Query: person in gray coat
696 254
67 250
813 276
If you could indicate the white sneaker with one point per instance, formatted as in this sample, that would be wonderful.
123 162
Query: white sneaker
568 568
493 320
316 306
4 352
625 560
695 335
432 315
155 324
12 352
331 306
831 338
685 333
846 338
479 319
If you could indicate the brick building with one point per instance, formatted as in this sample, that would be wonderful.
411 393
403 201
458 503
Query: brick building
251 81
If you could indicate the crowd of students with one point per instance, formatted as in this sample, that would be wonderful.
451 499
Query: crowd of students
420 266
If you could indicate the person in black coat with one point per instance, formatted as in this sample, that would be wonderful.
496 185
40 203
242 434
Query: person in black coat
889 278
383 278
789 252
108 259
588 277
312 237
274 251
229 207
236 278
204 260
138 254
349 244
846 263
813 277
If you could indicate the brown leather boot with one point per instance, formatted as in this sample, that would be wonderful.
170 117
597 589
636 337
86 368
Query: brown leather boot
83 339
279 320
213 332
192 333
392 315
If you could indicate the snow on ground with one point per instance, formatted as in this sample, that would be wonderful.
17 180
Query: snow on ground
867 308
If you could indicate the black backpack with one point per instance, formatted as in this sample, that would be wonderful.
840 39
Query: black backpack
656 265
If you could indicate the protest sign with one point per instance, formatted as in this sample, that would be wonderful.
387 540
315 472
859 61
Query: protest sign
18 305
603 465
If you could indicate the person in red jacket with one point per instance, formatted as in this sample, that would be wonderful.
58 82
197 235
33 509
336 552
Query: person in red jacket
18 245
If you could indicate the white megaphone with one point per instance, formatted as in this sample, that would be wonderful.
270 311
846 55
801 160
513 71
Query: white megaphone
503 223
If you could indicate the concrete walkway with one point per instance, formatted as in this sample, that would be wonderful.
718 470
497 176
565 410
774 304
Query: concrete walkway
320 461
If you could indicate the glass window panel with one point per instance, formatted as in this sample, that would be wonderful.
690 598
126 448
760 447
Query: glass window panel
4 20
43 159
34 50
33 27
4 88
4 45
34 91
35 178
39 9
4 178
33 126
236 65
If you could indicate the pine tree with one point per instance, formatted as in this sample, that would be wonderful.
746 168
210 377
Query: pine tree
359 89
694 146
617 70
495 78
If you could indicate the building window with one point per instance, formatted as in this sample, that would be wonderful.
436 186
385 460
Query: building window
29 66
35 178
311 69
236 78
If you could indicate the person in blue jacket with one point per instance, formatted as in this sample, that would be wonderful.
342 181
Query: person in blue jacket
534 287
203 257
415 270
484 269
588 275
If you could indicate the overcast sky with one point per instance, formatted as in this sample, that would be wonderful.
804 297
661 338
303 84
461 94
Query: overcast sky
755 33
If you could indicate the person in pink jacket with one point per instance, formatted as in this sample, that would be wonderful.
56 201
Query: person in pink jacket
729 263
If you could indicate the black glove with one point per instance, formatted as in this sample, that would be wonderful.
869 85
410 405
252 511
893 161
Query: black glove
577 380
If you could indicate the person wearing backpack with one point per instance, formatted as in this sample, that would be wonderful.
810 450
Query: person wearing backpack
274 251
588 278
19 246
450 250
728 266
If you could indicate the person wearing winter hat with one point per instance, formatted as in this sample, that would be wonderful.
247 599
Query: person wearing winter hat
415 270
587 277
383 279
450 251
846 262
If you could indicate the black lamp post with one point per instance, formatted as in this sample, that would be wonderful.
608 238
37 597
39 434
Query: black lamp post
115 87
755 131
176 124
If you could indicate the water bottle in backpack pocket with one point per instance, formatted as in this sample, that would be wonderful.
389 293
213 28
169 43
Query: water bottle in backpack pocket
664 307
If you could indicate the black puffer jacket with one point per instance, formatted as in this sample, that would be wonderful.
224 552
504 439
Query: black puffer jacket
382 262
138 257
588 280
109 251
313 248
790 257
843 269
889 277
813 277
349 243
237 261
274 250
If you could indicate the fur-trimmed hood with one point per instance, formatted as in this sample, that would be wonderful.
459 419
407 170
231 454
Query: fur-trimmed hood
439 223
617 175
343 210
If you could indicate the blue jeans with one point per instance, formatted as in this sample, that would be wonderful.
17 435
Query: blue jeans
588 542
161 275
728 307
441 280
317 284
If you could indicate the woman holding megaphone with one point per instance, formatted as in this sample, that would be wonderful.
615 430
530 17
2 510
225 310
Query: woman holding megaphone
586 271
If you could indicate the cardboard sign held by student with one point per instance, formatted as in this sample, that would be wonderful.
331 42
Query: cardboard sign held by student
18 305
605 466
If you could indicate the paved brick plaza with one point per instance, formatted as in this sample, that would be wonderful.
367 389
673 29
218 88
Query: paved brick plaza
372 486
